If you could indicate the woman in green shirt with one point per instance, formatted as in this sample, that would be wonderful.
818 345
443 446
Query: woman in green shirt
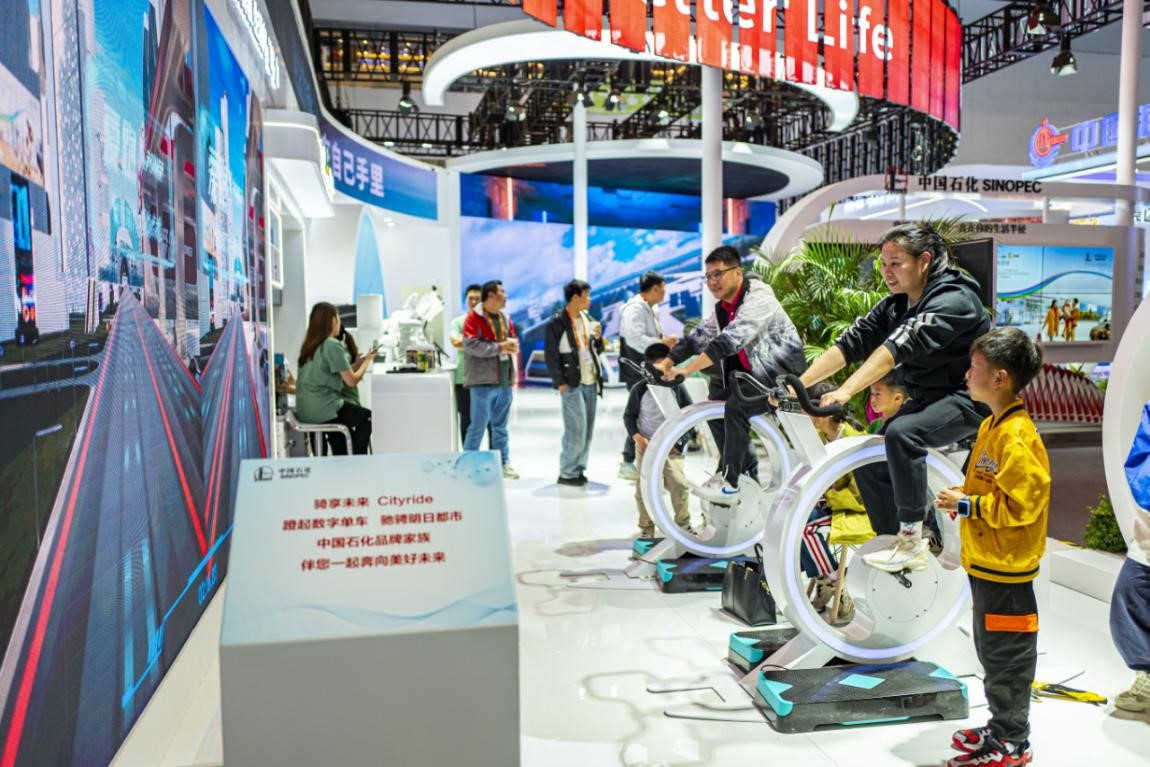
326 375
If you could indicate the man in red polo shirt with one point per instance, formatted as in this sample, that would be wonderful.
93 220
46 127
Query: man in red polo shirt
748 332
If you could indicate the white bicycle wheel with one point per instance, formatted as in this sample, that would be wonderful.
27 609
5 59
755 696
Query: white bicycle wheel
735 532
891 621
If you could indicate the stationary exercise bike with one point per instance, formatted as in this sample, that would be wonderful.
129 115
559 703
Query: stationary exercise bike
896 614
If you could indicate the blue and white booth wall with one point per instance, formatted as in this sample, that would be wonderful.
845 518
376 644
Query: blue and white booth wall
366 249
133 348
521 232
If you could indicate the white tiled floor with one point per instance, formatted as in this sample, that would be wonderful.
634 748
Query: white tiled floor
587 656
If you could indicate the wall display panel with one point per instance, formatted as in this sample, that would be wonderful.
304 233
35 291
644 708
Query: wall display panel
629 24
898 66
939 13
535 260
800 40
547 202
757 37
920 62
714 26
544 10
618 257
871 14
1034 280
672 26
593 18
839 44
953 92
379 179
133 377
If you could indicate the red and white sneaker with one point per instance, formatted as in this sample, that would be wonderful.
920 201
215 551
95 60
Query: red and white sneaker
970 740
994 754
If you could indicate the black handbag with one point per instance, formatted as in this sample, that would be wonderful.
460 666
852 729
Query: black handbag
746 594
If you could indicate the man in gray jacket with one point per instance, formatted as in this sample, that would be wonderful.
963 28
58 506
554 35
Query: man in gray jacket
748 332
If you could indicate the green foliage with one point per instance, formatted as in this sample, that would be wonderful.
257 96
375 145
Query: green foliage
1102 532
826 284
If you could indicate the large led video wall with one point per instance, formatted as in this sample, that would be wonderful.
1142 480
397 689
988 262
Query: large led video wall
520 232
133 354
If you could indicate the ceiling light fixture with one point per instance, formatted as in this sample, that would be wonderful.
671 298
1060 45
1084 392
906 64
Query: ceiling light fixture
1064 63
407 104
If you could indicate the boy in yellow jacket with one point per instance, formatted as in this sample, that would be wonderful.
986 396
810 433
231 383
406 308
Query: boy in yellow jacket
1003 505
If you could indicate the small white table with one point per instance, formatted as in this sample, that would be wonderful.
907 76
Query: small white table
413 412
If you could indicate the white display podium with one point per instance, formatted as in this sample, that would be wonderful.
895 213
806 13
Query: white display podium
413 412
370 614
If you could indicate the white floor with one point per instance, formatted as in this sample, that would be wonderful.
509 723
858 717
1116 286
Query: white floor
587 656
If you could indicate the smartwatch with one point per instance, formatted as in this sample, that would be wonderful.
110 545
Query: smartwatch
963 507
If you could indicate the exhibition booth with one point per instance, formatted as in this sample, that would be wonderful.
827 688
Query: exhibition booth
191 577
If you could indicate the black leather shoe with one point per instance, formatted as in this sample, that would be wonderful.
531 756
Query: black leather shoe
582 480
571 481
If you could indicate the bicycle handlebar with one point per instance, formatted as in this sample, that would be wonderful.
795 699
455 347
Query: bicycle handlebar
803 397
643 371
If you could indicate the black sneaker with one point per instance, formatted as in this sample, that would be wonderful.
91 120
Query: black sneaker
582 479
571 481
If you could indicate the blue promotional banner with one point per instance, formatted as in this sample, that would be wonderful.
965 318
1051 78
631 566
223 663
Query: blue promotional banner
377 179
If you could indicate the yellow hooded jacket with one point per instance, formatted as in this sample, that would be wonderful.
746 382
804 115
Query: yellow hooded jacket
1008 483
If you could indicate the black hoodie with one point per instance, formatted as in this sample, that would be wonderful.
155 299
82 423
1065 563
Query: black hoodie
930 341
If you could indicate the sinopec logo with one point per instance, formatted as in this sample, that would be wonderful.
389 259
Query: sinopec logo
1045 143
264 474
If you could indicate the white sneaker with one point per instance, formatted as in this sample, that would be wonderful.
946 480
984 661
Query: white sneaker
1137 698
628 472
905 553
716 490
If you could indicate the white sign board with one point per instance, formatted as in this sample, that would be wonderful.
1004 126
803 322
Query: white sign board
361 591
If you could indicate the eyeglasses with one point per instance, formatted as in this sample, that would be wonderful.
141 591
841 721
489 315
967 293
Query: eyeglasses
716 275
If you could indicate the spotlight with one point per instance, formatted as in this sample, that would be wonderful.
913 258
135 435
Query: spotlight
1042 19
407 104
1064 62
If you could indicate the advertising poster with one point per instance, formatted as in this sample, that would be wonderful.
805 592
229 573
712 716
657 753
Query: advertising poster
1061 293
133 355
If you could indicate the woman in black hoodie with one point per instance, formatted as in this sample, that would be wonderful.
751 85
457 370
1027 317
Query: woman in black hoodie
925 327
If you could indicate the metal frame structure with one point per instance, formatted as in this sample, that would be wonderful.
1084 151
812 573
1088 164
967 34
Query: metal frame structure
999 39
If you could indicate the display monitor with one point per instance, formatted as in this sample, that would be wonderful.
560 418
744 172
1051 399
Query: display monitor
1059 292
977 258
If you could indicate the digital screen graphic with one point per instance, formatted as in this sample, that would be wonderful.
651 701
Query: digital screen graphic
1041 284
133 354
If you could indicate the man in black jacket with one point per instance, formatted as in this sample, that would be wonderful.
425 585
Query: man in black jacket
925 327
572 346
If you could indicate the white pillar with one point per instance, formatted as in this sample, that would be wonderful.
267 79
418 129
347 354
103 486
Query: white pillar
712 170
579 184
1128 104
902 206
